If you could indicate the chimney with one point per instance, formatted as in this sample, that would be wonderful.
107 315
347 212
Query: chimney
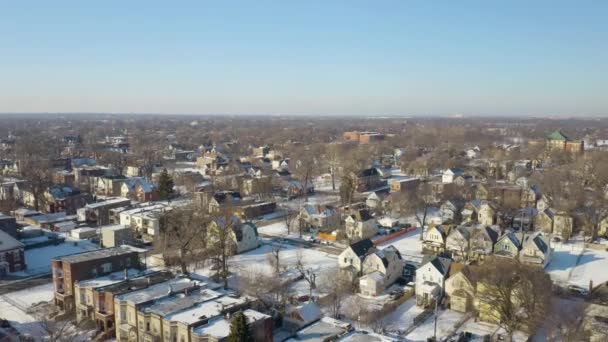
126 273
170 290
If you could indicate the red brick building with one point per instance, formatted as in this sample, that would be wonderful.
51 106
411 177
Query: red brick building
12 258
82 266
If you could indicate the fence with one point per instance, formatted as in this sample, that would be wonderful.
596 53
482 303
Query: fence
394 235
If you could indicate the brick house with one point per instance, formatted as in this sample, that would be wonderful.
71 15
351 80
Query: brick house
12 257
82 266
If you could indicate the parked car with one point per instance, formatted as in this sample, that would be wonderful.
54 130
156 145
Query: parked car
578 290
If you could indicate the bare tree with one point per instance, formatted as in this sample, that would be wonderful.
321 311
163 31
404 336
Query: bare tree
274 259
336 288
271 291
222 241
306 273
566 321
513 294
416 203
182 237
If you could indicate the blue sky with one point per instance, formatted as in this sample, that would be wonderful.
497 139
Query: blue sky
305 57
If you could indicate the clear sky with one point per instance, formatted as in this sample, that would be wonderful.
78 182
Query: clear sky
374 57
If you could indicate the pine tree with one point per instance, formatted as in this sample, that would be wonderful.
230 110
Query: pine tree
239 329
165 185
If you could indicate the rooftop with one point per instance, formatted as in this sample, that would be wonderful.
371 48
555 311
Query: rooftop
109 279
158 291
96 254
205 310
183 307
7 242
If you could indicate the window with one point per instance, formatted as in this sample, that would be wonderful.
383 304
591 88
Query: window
16 256
147 326
345 259
107 267
506 247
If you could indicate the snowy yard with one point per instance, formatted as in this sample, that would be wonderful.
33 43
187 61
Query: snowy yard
24 323
278 229
33 295
321 263
38 260
571 264
409 245
403 317
445 325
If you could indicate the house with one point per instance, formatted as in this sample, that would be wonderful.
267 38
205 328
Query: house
430 280
435 238
381 269
8 224
470 211
71 268
12 258
110 185
294 188
325 329
508 246
302 315
128 303
450 210
367 179
218 329
481 242
376 200
536 250
116 235
558 141
462 180
323 217
460 289
404 185
97 301
448 175
360 225
138 189
487 213
66 198
256 185
557 223
457 242
244 235
98 213
351 259
220 200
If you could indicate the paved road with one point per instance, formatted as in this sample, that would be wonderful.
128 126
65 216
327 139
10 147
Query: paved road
304 244
18 285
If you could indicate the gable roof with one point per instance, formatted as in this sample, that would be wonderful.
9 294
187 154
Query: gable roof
441 264
362 215
538 241
557 135
362 247
368 172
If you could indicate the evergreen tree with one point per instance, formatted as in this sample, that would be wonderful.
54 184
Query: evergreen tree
239 329
165 185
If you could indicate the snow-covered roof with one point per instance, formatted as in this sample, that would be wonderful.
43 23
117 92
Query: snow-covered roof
8 242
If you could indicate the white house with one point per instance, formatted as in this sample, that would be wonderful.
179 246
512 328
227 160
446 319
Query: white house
449 174
430 280
360 225
351 259
381 269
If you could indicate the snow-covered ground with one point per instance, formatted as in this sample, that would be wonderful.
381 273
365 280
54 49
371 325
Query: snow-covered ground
321 263
403 317
33 295
409 245
572 264
38 260
591 266
563 261
278 229
446 321
24 323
